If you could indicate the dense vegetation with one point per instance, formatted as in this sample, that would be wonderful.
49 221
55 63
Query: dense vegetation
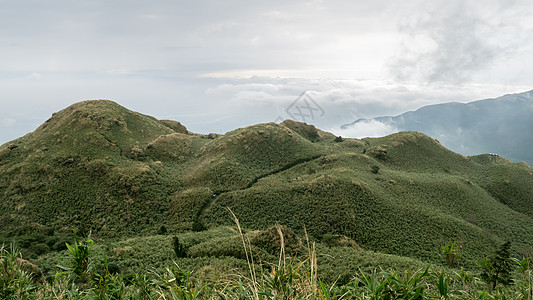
295 277
150 193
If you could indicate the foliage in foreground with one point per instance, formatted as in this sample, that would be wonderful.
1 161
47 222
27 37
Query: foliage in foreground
287 279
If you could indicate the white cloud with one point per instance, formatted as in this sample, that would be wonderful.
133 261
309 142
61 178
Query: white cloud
342 100
365 128
458 41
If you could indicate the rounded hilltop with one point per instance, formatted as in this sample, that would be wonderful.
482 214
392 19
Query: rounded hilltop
97 124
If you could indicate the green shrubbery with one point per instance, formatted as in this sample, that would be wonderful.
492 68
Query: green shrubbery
178 247
451 254
298 277
78 264
497 269
15 283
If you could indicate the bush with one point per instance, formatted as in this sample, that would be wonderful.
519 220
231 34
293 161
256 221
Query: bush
15 283
197 226
39 249
375 169
162 230
498 268
310 132
273 239
79 264
379 153
338 240
180 251
60 245
450 254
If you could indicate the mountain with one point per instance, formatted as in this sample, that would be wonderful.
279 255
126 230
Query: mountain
500 125
97 166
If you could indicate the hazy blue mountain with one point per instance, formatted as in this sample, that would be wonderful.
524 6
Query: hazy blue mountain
501 125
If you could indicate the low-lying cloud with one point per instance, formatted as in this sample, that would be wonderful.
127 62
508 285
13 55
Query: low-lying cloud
365 128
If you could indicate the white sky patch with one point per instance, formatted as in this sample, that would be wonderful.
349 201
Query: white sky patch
7 122
35 76
365 128
281 73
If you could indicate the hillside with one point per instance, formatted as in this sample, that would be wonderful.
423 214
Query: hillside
500 125
99 167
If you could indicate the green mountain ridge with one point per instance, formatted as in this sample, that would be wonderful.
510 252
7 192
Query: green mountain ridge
99 167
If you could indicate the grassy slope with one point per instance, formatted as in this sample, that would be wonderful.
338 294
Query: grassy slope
422 197
220 250
97 166
81 167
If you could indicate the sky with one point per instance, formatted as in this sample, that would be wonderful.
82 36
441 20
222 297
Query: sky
220 65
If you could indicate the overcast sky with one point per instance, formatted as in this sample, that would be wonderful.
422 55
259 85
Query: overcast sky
219 65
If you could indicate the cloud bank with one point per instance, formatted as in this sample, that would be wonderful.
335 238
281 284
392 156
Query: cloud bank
365 128
220 65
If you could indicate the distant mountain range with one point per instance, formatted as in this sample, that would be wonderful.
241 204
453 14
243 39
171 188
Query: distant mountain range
501 125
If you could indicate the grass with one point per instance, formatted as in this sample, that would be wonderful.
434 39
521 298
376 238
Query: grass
296 277
96 166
